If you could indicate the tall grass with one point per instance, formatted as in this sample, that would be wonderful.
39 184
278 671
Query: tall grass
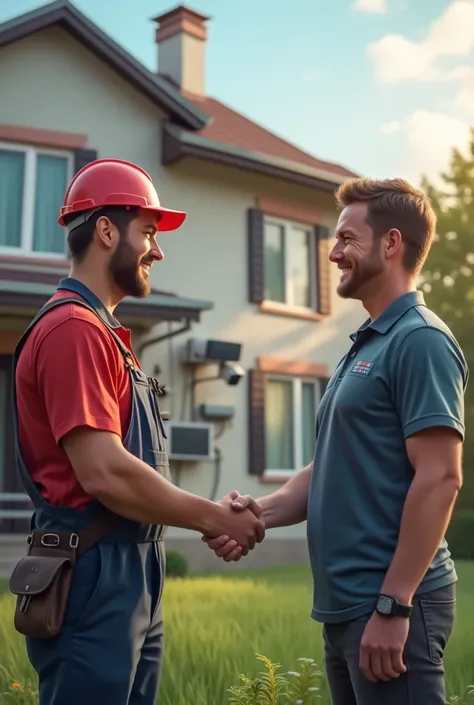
216 624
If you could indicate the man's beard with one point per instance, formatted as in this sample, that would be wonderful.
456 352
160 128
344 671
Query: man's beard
127 273
361 274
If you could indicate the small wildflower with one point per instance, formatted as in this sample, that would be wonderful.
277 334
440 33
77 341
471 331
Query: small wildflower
16 686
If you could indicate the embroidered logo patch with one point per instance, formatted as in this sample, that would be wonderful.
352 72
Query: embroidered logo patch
362 367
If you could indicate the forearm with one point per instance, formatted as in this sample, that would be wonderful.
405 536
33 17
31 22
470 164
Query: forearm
288 505
426 515
138 492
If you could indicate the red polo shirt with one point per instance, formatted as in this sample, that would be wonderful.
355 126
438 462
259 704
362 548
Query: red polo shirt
71 373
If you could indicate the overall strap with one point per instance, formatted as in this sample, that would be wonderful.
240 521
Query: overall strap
102 526
127 355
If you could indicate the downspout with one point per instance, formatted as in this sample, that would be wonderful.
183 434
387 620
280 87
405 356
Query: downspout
166 336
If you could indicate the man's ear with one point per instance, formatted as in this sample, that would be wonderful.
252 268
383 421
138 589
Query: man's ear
393 242
106 232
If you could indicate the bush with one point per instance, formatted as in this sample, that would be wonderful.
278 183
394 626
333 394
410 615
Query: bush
460 535
273 688
176 565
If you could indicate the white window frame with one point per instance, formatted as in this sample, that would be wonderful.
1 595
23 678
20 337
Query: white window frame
287 225
297 384
28 212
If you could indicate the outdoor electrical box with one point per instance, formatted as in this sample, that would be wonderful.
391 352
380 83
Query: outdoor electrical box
200 351
190 440
216 412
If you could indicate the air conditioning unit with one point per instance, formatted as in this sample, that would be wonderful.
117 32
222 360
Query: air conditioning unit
190 440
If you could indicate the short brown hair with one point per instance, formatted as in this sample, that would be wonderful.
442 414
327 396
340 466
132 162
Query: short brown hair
80 239
394 203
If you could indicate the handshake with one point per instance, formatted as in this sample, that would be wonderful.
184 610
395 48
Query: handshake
241 526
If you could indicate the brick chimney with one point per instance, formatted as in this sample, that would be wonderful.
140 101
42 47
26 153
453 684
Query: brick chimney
181 37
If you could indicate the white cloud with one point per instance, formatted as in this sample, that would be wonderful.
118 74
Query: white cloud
397 58
428 140
465 97
390 128
373 6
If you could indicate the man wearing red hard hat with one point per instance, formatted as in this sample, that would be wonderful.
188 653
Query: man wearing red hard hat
91 450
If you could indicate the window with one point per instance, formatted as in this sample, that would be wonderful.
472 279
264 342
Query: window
289 264
32 187
290 422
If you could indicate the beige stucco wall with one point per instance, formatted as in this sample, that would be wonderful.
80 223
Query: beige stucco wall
70 90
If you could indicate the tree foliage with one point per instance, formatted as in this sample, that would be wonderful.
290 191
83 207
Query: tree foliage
448 276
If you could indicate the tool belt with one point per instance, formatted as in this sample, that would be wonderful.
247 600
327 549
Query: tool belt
42 579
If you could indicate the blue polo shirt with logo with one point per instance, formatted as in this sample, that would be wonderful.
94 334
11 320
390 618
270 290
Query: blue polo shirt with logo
404 373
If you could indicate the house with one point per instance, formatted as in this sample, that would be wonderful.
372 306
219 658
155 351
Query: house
248 272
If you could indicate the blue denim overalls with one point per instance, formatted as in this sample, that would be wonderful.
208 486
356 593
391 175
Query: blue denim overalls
110 649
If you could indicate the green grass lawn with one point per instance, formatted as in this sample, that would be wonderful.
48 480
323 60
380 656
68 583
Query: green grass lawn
215 624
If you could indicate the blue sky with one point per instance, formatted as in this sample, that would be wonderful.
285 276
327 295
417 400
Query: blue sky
385 87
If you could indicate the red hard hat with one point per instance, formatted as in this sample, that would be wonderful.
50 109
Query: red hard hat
114 182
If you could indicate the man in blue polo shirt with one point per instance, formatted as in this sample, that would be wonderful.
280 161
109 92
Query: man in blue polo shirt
387 469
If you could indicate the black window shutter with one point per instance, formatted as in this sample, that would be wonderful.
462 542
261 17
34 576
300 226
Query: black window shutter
256 417
323 271
83 157
256 264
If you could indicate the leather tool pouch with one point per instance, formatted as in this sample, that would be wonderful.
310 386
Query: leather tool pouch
42 579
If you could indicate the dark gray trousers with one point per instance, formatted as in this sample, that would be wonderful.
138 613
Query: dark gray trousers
423 683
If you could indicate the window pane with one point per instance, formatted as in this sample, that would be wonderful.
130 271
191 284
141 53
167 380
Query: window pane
300 272
51 183
279 425
308 421
12 174
274 263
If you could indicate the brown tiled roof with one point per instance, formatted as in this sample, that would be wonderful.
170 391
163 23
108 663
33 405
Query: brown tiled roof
230 127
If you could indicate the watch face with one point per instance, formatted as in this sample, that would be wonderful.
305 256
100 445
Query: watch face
384 605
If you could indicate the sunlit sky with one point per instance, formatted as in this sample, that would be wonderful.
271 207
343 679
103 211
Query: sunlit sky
384 87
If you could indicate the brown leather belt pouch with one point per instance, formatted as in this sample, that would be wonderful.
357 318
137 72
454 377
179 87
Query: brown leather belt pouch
42 579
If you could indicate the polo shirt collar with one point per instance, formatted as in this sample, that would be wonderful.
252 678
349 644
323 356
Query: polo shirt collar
392 313
77 287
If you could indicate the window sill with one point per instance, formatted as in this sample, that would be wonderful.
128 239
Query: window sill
280 479
277 309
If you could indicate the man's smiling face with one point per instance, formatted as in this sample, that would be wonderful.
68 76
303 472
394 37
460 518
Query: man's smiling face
135 254
357 252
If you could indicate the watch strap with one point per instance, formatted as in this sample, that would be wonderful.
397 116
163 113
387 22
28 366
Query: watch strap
396 609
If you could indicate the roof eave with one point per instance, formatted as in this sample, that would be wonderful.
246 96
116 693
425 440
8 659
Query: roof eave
64 14
145 317
31 296
179 143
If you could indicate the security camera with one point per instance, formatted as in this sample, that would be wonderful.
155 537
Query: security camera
231 373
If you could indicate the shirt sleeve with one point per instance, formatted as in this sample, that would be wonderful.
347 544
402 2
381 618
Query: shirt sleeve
77 378
429 381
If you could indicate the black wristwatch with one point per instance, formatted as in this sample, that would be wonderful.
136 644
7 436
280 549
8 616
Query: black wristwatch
388 606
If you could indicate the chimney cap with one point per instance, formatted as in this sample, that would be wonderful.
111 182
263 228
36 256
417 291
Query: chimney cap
181 11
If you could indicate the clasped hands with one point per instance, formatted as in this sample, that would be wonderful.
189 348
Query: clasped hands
242 527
